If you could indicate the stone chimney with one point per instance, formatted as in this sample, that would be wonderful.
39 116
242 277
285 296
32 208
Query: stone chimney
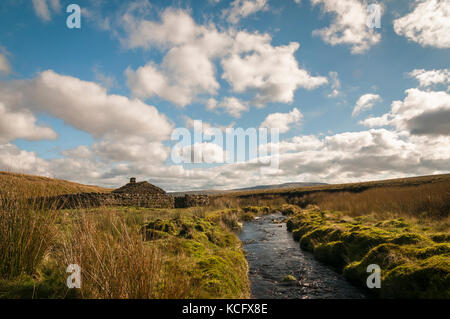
133 180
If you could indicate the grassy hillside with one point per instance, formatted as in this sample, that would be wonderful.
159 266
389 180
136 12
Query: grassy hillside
403 225
191 253
22 185
418 197
350 187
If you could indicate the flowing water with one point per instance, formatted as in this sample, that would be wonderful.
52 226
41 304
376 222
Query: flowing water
272 254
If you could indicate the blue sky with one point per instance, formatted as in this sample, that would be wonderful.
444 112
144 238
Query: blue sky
35 40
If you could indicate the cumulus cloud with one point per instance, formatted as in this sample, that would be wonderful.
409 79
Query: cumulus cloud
349 25
88 107
21 124
12 158
428 24
365 102
124 129
249 61
242 8
345 157
428 78
272 71
420 113
5 68
283 121
176 80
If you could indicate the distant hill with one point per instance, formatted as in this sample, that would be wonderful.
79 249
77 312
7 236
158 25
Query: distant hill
348 187
253 188
22 185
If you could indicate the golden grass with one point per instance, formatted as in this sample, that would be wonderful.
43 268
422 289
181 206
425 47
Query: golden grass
352 187
14 185
37 244
426 199
116 262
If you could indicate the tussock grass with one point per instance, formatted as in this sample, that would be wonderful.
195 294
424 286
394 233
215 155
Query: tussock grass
116 262
26 235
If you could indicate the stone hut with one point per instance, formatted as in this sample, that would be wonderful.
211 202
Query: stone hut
142 194
141 188
137 194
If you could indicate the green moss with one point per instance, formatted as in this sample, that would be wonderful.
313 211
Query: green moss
256 209
288 209
408 239
289 278
152 234
321 234
219 278
359 243
167 226
299 233
332 253
438 249
214 257
427 279
396 223
413 263
440 238
387 256
246 217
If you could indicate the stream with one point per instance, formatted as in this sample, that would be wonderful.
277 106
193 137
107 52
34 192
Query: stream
272 254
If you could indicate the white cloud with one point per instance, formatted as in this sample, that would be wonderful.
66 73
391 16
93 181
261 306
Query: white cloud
428 78
231 105
283 121
185 73
124 129
272 71
248 60
349 25
207 128
365 102
88 107
335 84
106 81
133 149
201 153
42 10
428 24
21 124
56 5
420 113
5 68
243 8
14 159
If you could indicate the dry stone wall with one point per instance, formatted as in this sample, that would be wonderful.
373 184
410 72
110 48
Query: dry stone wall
191 201
88 200
142 194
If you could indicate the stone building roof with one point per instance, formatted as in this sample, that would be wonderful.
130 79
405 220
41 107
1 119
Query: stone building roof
140 188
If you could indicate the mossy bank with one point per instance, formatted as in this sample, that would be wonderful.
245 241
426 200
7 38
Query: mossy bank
414 260
130 253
